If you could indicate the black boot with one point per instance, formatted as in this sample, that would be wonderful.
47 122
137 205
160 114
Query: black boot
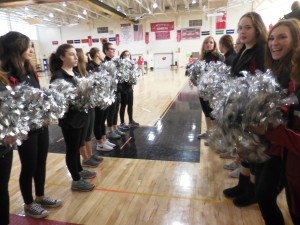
247 198
239 188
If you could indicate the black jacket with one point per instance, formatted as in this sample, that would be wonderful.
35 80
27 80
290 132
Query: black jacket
73 118
293 15
213 56
92 66
229 57
251 60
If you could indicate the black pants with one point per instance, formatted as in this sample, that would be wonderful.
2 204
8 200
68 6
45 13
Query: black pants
73 139
205 108
99 122
268 175
33 156
5 169
295 218
126 99
113 110
88 128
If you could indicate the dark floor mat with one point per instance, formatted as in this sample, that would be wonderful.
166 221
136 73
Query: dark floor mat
173 138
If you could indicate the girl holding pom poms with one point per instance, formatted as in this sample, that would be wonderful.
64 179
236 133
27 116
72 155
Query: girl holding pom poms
62 64
15 55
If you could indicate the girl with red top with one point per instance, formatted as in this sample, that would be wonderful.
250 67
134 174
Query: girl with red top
283 168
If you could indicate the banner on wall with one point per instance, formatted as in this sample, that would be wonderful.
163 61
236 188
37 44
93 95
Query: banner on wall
219 31
178 35
90 41
117 39
54 42
190 33
205 32
70 42
163 26
95 40
147 37
126 34
111 39
138 32
221 22
84 41
165 35
230 31
76 41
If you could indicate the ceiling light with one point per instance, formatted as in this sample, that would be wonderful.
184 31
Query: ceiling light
193 2
84 12
59 10
80 16
64 4
154 5
26 8
51 15
118 8
215 14
46 19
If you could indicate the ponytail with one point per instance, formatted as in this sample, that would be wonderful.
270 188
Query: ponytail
55 63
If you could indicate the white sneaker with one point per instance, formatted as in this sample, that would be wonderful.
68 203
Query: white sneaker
109 143
231 165
104 147
235 173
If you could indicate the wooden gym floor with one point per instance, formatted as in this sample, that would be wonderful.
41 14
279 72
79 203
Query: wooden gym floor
133 191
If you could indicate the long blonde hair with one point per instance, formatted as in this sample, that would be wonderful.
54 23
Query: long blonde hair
215 49
81 63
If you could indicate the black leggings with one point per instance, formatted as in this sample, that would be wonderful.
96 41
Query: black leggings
295 218
88 129
267 189
205 108
126 99
99 122
33 156
73 139
113 109
5 169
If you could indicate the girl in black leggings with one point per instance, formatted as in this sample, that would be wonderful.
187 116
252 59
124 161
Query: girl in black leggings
74 121
33 151
6 157
209 52
127 99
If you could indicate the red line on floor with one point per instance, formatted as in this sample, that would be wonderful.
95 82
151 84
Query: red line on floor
98 172
126 142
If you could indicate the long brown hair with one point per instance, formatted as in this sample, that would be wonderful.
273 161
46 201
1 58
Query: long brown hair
215 49
227 41
81 65
3 78
289 64
12 46
260 28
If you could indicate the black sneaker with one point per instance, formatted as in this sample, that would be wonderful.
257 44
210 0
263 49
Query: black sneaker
133 124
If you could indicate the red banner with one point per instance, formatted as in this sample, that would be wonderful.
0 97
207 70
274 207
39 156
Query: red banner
90 41
190 33
117 39
162 35
147 37
163 26
178 35
221 22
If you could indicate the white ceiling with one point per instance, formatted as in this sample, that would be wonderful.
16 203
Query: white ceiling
71 11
